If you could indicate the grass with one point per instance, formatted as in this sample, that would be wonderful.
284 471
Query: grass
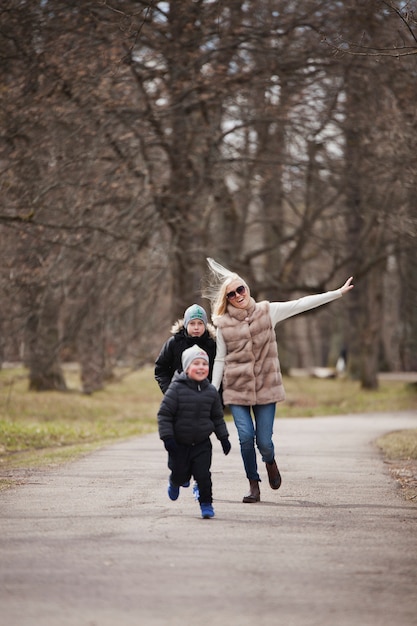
310 397
399 445
400 452
40 429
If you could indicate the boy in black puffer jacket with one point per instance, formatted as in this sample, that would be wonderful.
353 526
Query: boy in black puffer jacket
190 412
193 329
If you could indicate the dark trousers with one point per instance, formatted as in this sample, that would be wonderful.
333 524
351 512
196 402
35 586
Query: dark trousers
194 461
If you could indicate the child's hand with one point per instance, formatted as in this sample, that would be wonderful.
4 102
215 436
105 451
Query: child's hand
170 445
226 445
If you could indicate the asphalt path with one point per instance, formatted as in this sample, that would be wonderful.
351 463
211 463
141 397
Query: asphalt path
98 543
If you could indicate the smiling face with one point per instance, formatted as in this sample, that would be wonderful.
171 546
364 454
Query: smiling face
237 297
198 369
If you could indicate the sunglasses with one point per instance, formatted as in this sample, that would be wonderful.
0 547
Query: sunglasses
240 291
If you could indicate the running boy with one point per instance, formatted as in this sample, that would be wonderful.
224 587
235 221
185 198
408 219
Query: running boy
190 412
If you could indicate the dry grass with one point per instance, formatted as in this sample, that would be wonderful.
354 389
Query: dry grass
400 451
309 397
40 429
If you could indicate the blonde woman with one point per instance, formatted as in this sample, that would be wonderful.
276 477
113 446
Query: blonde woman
247 364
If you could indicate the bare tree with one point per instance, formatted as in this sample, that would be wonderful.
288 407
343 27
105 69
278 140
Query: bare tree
76 212
277 137
376 147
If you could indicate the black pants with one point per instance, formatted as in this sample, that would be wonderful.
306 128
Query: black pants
193 461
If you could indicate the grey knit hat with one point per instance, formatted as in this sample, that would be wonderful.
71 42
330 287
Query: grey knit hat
195 312
188 356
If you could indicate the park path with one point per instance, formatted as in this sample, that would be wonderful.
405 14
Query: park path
98 543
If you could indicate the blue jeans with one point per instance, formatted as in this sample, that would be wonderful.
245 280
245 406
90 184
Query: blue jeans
261 431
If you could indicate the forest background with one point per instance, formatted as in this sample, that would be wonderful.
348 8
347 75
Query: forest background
138 138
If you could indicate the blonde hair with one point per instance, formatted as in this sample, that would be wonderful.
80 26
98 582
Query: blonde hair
216 290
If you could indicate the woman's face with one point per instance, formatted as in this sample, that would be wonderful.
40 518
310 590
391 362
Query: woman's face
238 294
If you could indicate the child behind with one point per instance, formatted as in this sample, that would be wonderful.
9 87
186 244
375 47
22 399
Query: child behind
190 412
193 329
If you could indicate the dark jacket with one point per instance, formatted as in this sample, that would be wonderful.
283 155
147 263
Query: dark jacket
169 359
191 411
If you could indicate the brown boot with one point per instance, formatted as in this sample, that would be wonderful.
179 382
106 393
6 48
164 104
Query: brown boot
273 475
254 494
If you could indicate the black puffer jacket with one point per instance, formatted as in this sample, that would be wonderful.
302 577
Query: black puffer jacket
169 359
191 411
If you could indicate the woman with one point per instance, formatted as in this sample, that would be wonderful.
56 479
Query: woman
247 364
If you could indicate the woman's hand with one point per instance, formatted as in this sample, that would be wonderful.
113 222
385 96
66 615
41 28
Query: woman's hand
347 286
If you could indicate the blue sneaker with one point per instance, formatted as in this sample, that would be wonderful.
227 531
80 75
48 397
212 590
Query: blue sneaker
173 491
206 510
196 491
187 484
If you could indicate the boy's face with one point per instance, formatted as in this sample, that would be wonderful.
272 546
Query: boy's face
198 369
195 328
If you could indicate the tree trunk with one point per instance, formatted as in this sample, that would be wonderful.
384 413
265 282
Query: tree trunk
42 347
370 334
91 342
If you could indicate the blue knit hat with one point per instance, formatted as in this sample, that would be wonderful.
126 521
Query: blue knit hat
195 312
188 356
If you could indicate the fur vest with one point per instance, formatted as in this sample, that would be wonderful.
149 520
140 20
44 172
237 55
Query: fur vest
252 372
